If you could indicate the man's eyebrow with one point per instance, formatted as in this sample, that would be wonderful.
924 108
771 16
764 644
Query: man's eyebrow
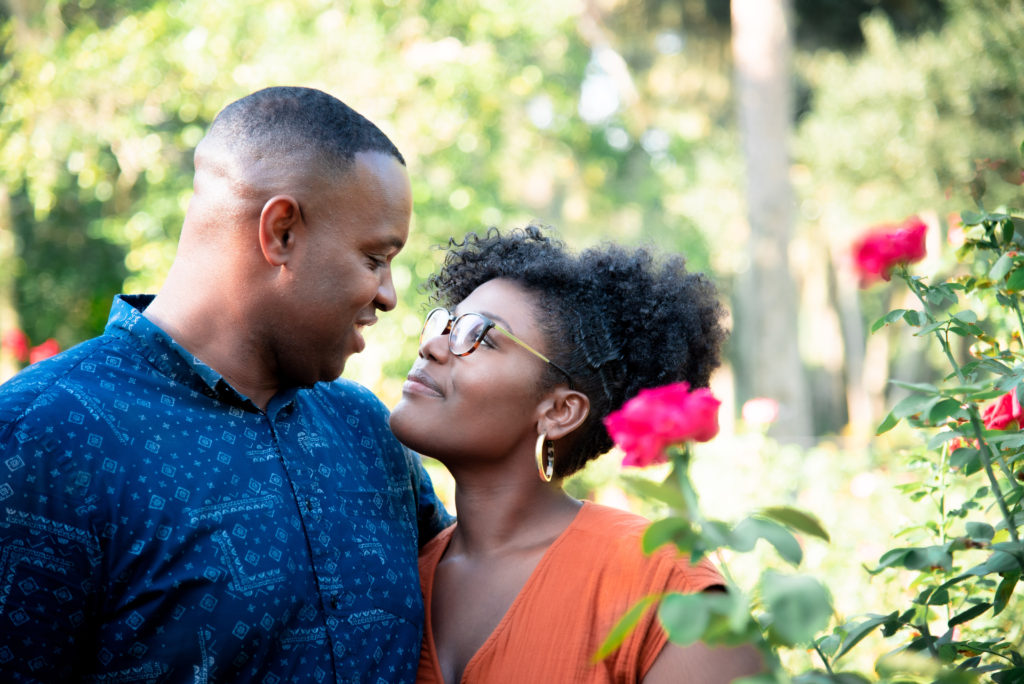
391 242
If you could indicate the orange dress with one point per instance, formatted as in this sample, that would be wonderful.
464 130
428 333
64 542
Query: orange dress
588 578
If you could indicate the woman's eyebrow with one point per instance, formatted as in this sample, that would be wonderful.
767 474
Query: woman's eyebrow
499 320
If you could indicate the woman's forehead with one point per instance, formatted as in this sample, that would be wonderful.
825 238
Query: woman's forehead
505 301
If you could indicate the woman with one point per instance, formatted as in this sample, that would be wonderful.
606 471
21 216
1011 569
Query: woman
509 392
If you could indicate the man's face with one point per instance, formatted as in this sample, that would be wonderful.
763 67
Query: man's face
342 274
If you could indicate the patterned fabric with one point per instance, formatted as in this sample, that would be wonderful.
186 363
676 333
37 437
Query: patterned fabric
156 526
589 577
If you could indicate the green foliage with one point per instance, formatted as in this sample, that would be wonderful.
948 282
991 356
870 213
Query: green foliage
104 102
890 132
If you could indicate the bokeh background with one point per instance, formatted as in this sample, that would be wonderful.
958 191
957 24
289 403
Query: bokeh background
759 138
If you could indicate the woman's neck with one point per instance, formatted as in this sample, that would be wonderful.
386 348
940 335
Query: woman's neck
510 516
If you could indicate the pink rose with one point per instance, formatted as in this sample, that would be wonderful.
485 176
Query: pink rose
43 351
16 342
885 247
1003 413
657 418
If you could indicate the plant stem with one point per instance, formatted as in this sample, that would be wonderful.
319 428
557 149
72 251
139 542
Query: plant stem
821 655
1020 317
986 461
984 451
915 287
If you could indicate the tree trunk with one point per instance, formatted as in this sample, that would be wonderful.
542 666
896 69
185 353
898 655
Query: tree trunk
765 336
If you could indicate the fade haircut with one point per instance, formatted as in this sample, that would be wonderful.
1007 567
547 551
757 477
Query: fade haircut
276 121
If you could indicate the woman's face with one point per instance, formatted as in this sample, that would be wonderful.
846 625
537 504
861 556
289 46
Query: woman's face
479 407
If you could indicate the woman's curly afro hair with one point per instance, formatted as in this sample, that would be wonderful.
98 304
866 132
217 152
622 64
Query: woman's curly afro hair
617 320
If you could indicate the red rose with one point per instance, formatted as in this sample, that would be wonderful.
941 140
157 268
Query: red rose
16 342
1003 413
43 351
885 247
655 419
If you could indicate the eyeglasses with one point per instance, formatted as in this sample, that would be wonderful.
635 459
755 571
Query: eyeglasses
466 332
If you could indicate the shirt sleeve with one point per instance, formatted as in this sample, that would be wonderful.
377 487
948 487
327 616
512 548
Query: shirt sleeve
680 576
50 559
430 512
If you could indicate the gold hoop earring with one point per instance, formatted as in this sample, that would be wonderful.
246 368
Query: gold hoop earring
545 455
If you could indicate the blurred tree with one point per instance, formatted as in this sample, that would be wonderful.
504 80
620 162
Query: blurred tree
767 355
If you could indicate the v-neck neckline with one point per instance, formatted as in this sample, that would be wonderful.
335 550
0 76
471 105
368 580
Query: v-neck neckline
506 619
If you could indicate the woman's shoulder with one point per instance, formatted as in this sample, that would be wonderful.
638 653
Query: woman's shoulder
614 537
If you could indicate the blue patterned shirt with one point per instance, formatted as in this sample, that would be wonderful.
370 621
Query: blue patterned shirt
156 526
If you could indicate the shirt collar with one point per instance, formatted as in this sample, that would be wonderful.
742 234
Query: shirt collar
171 358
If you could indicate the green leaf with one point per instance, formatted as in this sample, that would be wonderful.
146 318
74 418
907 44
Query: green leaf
888 424
982 531
624 626
931 327
797 519
856 633
748 530
1016 280
684 617
928 558
1004 591
914 404
1002 266
966 316
666 492
914 317
891 317
1013 440
943 410
966 458
968 614
830 643
937 597
999 561
995 366
971 218
799 606
672 530
921 387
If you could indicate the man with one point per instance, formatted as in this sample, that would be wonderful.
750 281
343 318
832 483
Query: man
190 497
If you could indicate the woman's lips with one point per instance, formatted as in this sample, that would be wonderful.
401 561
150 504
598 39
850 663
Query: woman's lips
418 382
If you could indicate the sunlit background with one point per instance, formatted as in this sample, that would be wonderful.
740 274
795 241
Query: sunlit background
757 146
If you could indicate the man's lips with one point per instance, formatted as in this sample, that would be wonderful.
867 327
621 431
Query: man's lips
360 342
418 382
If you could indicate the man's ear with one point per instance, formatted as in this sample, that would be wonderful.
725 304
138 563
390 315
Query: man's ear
562 412
280 220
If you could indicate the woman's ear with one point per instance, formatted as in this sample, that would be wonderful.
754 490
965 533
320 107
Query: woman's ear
279 221
562 412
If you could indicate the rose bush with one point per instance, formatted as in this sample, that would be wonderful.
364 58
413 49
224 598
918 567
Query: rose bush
659 425
962 621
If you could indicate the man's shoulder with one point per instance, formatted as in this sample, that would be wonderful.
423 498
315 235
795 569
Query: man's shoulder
41 385
349 396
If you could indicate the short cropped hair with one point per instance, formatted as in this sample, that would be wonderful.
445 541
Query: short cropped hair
617 320
280 119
